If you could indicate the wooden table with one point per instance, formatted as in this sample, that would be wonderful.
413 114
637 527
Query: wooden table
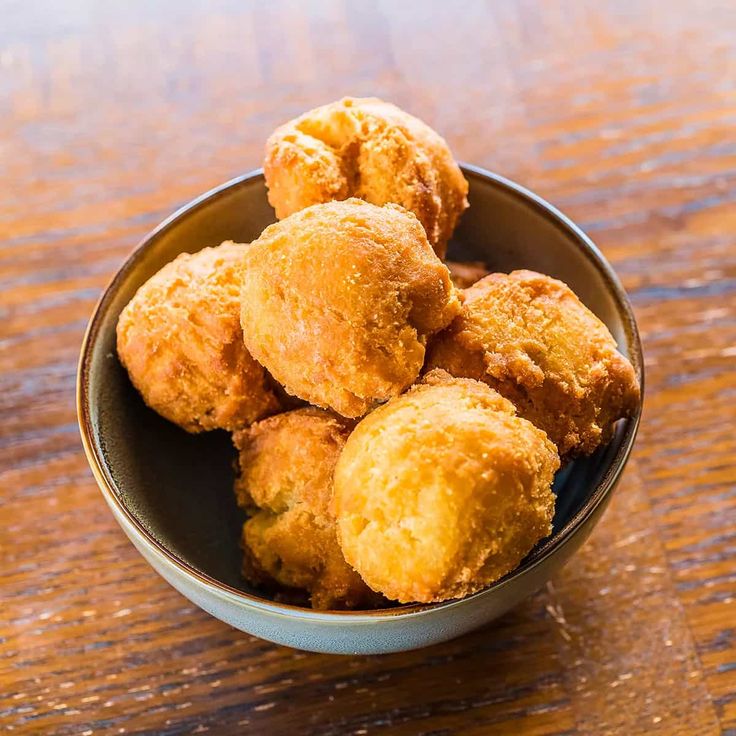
621 113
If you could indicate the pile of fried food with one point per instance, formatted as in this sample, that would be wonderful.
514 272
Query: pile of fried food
398 423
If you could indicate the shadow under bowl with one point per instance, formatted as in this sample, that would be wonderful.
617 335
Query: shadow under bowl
171 492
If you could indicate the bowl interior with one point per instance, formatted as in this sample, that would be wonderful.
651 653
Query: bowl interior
178 487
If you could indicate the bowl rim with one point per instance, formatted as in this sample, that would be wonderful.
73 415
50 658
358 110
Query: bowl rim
550 546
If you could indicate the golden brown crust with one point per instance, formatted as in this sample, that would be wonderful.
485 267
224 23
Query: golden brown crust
180 339
442 491
288 459
529 337
369 149
339 299
287 463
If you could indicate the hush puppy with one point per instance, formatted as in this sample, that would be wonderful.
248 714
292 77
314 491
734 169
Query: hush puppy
181 342
338 301
369 149
286 467
529 337
442 491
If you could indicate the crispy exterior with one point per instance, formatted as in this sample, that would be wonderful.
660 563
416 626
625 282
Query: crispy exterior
370 149
181 342
442 491
466 273
286 465
529 337
339 299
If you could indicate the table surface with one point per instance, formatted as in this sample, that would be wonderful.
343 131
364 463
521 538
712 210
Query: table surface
621 113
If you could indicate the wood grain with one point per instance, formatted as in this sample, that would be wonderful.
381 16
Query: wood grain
621 113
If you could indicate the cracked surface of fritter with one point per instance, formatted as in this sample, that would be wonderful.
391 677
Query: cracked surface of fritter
285 482
338 301
369 149
181 342
442 491
528 336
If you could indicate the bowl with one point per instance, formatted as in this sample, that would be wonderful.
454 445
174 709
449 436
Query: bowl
171 492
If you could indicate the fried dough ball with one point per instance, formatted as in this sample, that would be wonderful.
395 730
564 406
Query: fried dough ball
529 337
466 273
338 301
369 149
181 342
287 462
442 491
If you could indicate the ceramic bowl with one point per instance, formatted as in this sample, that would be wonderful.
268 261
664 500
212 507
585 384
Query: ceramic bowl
171 492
